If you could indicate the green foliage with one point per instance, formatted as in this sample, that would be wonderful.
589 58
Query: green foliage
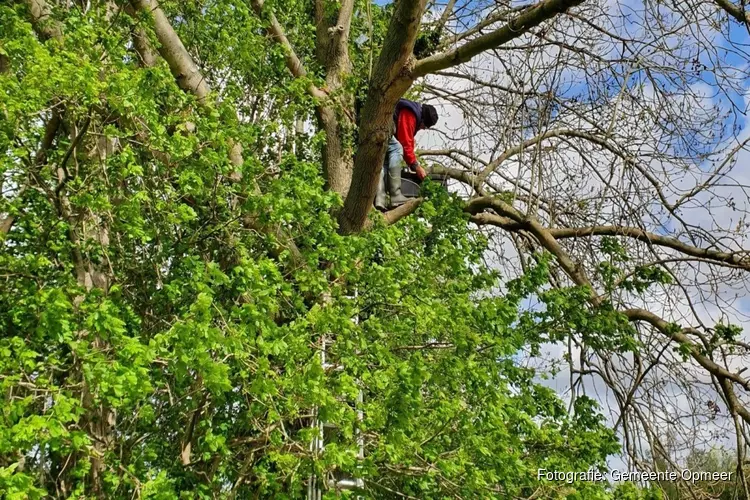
628 491
194 372
613 276
727 332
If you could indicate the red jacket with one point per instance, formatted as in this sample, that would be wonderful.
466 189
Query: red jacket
405 130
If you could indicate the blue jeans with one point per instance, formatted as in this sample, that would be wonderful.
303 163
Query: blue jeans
393 155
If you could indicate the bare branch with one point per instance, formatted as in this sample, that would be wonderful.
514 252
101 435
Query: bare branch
576 273
445 15
542 11
395 215
677 334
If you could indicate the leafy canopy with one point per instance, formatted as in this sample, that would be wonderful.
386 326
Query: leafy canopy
196 370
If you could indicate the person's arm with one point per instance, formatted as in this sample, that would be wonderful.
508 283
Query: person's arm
406 128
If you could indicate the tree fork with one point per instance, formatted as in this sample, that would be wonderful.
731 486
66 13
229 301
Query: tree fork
395 72
392 78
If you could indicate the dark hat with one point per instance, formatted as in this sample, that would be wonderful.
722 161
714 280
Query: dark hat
429 115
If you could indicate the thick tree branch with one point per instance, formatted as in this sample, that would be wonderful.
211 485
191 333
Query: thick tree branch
40 17
180 62
293 62
184 69
398 46
344 23
146 53
335 114
398 213
733 401
395 215
737 259
735 11
464 176
542 11
487 219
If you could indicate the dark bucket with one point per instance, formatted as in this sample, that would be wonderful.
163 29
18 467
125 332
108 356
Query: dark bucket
410 183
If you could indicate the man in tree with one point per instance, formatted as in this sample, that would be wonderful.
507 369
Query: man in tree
408 118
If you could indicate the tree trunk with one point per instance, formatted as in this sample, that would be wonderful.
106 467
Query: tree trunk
338 162
335 112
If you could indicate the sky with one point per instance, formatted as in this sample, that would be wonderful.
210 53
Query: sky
724 99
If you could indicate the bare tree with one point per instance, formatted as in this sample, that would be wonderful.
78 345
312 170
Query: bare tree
599 127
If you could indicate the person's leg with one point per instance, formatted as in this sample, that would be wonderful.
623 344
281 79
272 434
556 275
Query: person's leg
395 153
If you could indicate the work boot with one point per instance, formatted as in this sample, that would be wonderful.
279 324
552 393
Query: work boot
394 187
380 196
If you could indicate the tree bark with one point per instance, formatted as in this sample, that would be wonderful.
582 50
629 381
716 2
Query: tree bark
184 69
337 155
40 18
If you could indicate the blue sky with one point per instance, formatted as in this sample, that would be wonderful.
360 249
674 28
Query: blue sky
734 52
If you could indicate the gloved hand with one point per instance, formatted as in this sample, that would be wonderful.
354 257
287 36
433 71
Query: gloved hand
416 167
